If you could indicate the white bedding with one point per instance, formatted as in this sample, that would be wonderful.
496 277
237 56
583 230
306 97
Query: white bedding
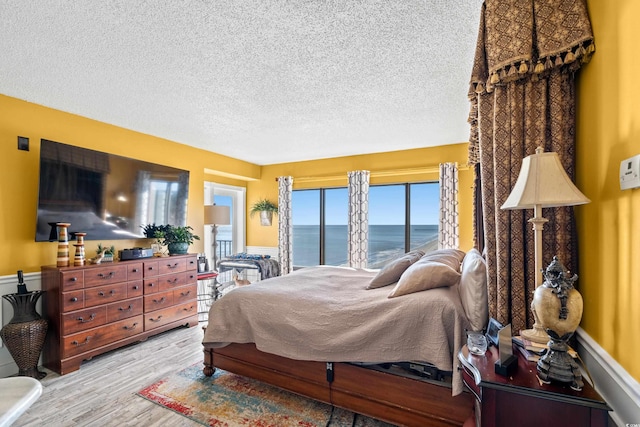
326 314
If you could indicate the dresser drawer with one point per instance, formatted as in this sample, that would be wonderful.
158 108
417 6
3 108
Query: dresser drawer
91 339
105 275
71 280
171 281
151 285
172 265
150 268
135 289
168 315
123 309
158 301
83 319
134 271
192 263
105 294
185 294
72 300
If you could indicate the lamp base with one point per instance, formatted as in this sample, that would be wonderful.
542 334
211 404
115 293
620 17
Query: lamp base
558 365
536 334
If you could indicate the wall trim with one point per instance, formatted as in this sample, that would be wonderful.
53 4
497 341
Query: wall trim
620 390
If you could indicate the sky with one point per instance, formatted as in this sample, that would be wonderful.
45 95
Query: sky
386 205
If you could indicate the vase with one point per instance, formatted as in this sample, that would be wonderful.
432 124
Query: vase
25 333
266 217
63 244
178 248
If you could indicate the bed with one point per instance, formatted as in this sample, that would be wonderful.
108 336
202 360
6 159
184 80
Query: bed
334 334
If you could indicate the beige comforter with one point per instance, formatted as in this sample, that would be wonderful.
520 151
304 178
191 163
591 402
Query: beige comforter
326 314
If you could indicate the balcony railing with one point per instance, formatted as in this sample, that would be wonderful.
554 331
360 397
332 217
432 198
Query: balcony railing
224 249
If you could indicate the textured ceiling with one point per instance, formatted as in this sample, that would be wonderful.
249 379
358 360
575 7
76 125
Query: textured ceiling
266 81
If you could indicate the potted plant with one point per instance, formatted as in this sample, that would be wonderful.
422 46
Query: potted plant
266 209
176 238
107 252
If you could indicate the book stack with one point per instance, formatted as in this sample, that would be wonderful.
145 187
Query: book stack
532 351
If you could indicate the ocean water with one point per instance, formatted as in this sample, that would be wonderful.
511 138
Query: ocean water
386 242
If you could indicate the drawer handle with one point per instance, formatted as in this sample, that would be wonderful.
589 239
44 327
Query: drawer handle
136 287
126 309
188 309
81 319
130 328
111 292
172 266
192 276
157 319
73 279
85 342
74 299
151 285
184 294
160 301
135 270
172 281
150 268
106 276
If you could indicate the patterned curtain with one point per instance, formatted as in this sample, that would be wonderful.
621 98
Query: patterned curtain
448 234
285 225
522 96
358 229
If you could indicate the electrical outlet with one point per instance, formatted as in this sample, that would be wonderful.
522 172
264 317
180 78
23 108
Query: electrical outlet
23 143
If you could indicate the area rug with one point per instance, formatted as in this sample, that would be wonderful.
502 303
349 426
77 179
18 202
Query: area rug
230 400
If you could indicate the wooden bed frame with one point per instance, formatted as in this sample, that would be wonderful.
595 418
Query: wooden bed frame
388 397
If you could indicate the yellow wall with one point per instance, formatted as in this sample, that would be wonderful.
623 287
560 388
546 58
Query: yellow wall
398 166
19 177
20 169
608 131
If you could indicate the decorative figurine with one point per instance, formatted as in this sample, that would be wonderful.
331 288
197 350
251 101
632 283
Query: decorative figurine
559 308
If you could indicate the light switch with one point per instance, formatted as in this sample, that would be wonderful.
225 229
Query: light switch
23 143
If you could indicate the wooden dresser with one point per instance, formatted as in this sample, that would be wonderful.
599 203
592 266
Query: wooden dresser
96 308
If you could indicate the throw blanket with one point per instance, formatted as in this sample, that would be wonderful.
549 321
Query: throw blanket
326 314
267 266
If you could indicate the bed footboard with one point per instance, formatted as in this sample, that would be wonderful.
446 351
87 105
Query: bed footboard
385 396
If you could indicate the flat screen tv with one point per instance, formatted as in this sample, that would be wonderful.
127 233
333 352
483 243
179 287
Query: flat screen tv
108 197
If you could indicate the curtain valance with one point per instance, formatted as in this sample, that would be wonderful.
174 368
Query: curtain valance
526 38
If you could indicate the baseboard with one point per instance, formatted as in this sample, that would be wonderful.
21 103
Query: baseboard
615 385
8 286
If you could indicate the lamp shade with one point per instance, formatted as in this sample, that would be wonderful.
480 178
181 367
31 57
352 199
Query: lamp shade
218 215
543 182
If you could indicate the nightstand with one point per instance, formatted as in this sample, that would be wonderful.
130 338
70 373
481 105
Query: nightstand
522 400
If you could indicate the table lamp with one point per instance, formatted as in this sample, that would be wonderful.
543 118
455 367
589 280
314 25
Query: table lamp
216 215
542 183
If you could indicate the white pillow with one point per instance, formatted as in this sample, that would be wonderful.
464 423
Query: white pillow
473 290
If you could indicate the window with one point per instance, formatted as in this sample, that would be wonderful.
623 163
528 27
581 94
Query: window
402 217
319 227
230 238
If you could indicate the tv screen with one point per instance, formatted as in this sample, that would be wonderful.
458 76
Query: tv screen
108 197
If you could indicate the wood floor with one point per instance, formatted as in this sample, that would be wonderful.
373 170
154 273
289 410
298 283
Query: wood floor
102 392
